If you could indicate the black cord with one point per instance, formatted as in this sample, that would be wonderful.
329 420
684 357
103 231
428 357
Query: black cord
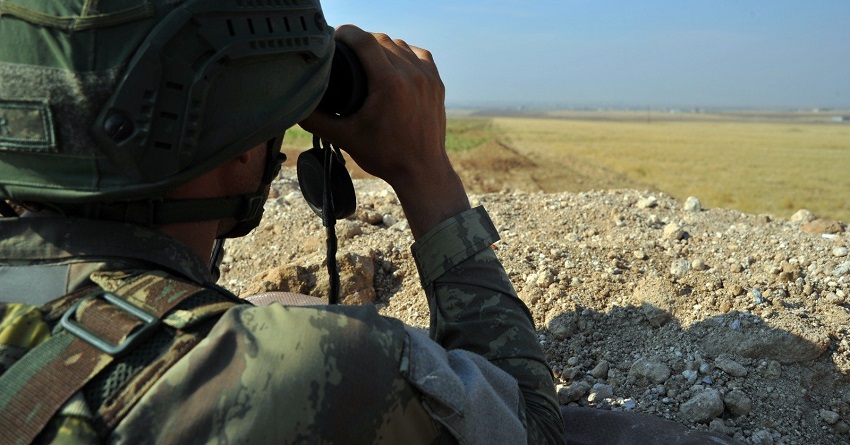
329 221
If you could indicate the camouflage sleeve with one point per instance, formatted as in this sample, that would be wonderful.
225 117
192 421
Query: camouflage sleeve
474 307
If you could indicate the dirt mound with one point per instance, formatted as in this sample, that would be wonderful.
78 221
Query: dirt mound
716 319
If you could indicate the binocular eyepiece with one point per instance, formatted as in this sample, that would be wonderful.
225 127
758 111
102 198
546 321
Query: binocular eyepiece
347 85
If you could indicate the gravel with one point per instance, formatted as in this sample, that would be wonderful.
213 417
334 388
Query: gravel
713 318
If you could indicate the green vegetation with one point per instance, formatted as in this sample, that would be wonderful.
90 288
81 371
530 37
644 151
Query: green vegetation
464 133
756 167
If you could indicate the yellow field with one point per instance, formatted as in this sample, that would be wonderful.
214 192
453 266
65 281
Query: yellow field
757 167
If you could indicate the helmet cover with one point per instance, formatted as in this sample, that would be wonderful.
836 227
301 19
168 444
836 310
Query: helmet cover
129 101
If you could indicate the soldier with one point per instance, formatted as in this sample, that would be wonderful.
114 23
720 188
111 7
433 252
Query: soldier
136 133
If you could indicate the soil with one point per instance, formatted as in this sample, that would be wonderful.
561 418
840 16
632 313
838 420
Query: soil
642 303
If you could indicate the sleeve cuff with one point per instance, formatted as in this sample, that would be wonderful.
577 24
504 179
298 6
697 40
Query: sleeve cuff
452 242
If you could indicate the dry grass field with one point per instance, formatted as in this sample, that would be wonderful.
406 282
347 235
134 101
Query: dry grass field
755 162
756 165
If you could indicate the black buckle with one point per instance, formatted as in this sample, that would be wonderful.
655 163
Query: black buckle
74 327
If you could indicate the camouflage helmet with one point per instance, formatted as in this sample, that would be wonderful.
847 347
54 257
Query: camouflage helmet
122 101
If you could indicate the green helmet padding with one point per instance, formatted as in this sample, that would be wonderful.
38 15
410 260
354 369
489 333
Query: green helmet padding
207 80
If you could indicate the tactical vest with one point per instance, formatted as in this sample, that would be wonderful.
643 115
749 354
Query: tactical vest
71 369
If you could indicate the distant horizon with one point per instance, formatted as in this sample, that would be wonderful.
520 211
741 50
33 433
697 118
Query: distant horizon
758 54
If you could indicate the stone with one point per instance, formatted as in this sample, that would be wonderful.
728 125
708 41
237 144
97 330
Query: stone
830 417
822 226
692 204
600 392
841 269
648 371
679 267
286 278
839 251
389 220
703 407
562 326
762 437
656 316
656 297
673 231
719 426
572 393
799 340
730 366
698 264
647 203
601 370
802 216
737 403
347 229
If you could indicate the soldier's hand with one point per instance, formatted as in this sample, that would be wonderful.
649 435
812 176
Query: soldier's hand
399 133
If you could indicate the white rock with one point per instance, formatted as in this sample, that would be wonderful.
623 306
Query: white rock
647 203
692 204
673 231
679 267
389 220
803 216
839 251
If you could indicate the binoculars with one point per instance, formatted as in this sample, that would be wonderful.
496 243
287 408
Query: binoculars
347 85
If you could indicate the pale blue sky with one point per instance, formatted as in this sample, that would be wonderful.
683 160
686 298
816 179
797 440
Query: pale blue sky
759 53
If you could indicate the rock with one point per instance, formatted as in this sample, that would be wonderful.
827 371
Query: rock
841 269
762 437
737 403
774 369
698 264
822 226
802 216
389 220
798 340
347 229
544 279
730 366
287 278
600 392
656 297
839 251
601 370
830 417
692 204
719 426
647 203
679 267
656 316
703 407
562 326
673 231
572 393
356 276
650 371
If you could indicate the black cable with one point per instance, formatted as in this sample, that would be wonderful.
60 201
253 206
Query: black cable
329 221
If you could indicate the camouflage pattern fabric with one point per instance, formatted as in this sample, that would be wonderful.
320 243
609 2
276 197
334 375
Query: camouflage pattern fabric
342 374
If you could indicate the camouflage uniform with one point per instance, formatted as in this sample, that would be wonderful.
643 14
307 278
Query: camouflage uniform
326 374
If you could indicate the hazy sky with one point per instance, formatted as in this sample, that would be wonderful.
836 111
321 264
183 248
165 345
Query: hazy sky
750 53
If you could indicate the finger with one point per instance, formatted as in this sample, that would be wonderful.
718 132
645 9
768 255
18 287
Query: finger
369 50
